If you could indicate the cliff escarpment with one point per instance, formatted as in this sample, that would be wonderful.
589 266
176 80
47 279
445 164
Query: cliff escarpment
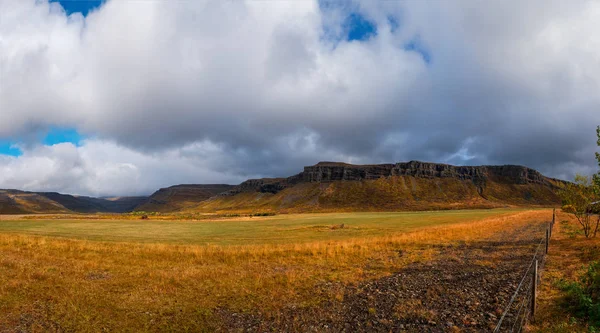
326 186
332 186
324 172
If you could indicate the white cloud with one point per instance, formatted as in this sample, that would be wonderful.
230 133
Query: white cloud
221 90
103 168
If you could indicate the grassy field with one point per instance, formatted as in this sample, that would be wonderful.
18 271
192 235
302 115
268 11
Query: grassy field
79 275
282 229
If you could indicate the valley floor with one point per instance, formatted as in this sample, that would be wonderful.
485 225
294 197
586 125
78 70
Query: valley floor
427 271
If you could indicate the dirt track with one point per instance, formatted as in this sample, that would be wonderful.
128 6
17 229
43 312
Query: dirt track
463 289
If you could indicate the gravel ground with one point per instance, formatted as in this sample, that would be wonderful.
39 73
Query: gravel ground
465 289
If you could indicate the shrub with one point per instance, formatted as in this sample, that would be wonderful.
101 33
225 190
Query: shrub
583 297
142 213
263 214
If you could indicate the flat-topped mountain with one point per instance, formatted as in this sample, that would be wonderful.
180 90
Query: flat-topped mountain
324 172
326 186
332 186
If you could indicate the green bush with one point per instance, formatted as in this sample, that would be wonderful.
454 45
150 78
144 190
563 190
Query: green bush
263 214
583 297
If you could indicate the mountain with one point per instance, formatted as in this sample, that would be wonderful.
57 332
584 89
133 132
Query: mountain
324 187
21 202
332 186
180 197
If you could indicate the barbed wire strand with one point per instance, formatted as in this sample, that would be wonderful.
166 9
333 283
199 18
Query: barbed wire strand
512 299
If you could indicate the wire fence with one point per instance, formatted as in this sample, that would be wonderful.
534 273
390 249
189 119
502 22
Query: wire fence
522 305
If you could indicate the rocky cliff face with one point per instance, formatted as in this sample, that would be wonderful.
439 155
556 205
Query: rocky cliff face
264 185
332 171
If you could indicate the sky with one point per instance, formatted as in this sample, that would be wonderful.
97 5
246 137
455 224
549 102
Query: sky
122 97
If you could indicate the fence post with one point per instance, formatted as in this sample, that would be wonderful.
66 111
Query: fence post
534 290
547 239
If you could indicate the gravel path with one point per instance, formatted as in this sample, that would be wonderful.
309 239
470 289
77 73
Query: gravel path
464 289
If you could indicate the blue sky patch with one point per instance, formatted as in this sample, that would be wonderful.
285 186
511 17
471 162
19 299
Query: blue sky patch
353 26
394 23
417 46
82 6
6 148
359 28
61 135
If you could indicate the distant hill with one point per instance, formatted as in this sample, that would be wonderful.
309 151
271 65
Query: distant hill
180 197
21 202
332 186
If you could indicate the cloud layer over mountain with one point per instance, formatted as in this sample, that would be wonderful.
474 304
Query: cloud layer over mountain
213 91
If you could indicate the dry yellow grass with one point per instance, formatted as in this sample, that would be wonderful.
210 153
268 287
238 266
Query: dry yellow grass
569 255
49 283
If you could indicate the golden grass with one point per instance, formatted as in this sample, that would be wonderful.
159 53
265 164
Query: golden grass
50 283
282 229
568 256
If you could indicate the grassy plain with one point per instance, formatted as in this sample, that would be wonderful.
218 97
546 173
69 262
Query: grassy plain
78 275
281 229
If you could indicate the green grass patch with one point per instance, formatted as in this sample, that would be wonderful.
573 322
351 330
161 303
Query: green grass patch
582 297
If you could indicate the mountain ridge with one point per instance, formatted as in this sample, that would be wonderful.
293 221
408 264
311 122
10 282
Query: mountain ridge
177 197
24 202
334 186
325 186
337 171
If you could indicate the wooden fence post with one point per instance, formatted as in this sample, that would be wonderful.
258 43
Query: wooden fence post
534 290
547 239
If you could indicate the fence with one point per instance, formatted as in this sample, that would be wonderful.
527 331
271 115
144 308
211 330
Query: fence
522 305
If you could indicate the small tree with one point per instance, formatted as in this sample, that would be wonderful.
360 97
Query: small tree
579 199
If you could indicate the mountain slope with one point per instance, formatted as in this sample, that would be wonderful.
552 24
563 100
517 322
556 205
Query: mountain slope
326 186
21 202
82 204
179 197
330 186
